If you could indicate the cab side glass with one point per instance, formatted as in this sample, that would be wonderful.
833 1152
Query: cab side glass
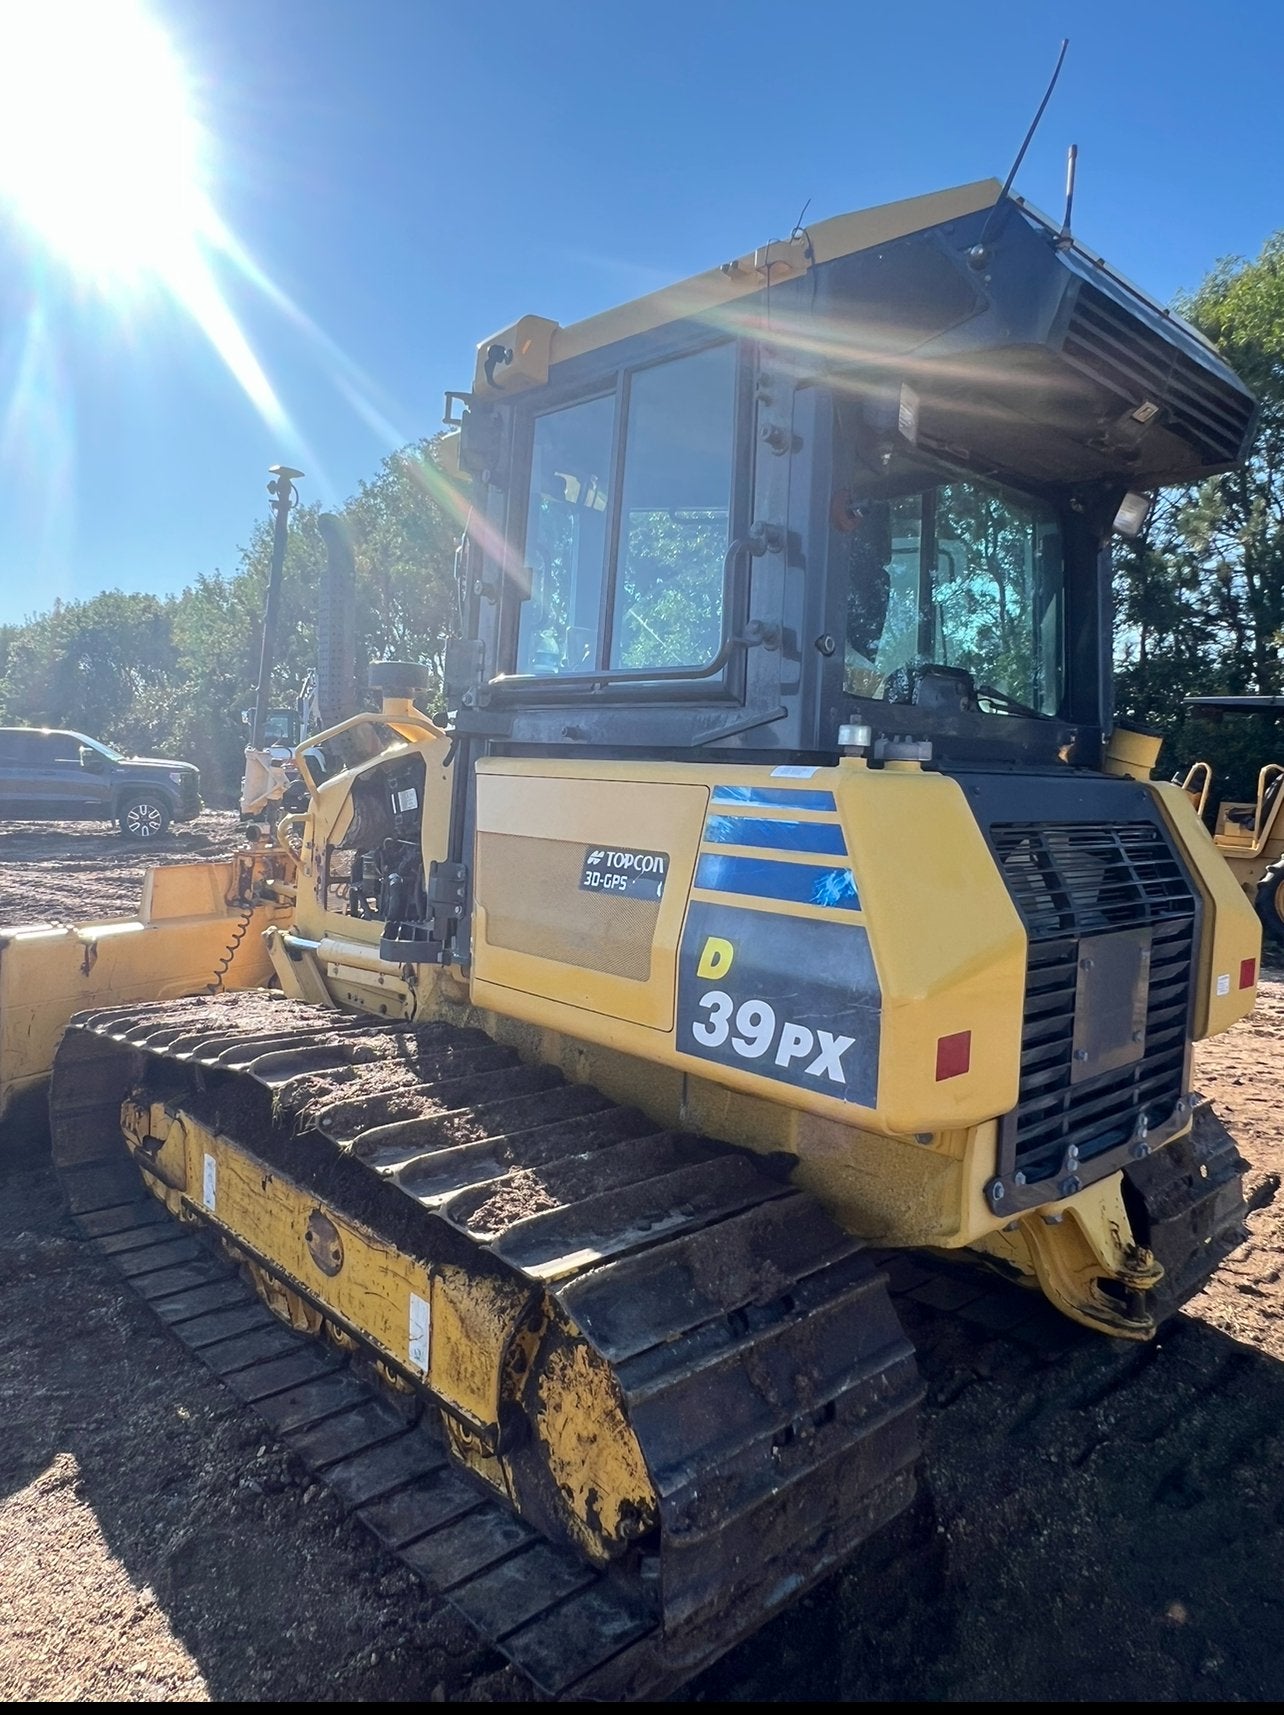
566 542
675 512
280 728
963 576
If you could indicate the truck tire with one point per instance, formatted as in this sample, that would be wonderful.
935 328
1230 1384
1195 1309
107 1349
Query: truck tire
143 817
1270 902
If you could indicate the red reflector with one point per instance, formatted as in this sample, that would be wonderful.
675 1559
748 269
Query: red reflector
953 1054
1247 973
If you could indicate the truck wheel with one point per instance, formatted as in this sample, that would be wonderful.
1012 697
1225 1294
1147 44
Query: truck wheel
143 817
1270 902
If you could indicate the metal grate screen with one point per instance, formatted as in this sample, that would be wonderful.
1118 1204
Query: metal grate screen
1079 880
1119 351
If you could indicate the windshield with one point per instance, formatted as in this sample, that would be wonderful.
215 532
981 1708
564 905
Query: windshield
963 576
278 728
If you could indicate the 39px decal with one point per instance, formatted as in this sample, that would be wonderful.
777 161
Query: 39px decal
789 998
755 1031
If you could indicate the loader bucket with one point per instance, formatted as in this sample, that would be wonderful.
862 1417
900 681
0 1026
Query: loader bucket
199 930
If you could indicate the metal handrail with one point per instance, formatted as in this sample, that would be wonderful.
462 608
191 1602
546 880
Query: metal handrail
1198 796
744 547
1269 773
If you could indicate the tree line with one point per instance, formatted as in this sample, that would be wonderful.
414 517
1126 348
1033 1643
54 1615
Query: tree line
1199 599
173 675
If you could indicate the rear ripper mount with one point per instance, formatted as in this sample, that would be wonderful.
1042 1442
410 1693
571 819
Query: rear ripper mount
720 1359
717 1297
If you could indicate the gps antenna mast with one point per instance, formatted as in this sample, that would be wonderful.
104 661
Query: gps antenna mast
284 495
979 246
1064 240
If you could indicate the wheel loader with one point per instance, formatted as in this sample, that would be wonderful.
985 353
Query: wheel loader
1248 832
778 892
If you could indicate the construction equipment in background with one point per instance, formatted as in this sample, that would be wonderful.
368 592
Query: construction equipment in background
270 778
1248 833
781 887
271 785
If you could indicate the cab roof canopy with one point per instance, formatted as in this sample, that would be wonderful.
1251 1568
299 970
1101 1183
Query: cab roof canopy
1025 352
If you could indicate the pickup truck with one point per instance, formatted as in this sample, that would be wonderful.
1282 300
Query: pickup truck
47 774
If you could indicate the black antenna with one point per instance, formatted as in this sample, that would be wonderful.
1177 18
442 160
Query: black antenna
1064 240
1034 126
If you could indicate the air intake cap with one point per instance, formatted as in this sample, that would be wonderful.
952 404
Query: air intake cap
399 678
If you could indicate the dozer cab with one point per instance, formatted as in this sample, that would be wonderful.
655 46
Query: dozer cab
1248 833
780 891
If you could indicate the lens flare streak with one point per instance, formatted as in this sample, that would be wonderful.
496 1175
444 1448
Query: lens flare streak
106 171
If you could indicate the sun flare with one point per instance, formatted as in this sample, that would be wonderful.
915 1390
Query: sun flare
105 164
107 175
102 157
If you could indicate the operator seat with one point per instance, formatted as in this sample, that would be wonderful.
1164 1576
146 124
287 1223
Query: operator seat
1247 816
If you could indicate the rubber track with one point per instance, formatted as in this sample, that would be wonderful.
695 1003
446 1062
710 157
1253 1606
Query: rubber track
715 1290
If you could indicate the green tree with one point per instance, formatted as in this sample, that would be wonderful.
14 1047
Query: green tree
1200 602
1234 524
175 676
1203 594
404 525
96 665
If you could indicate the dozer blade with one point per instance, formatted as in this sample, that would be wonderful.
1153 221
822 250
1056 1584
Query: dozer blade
200 927
641 1392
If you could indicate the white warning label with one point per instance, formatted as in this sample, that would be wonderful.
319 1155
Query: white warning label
418 1332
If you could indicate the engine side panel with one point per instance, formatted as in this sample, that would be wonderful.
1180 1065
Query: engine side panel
840 942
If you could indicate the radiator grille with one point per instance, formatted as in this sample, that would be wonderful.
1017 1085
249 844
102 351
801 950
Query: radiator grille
1122 353
1087 879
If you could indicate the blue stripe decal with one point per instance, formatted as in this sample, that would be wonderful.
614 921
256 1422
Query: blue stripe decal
775 797
778 836
763 878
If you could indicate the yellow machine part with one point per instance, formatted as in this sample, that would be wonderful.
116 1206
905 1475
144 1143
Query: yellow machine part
946 944
200 926
1069 1253
533 345
1249 834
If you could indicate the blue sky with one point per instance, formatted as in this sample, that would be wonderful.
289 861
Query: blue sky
412 176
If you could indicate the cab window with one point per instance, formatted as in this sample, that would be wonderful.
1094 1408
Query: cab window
675 512
566 522
624 555
964 575
63 747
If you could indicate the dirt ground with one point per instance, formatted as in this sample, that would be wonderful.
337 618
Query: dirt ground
1100 1520
83 872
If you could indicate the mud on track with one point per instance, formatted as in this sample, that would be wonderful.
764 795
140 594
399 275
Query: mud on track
1102 1520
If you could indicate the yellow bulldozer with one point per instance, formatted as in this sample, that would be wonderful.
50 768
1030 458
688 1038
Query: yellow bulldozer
521 1131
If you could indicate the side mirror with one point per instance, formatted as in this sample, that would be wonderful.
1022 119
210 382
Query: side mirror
91 759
